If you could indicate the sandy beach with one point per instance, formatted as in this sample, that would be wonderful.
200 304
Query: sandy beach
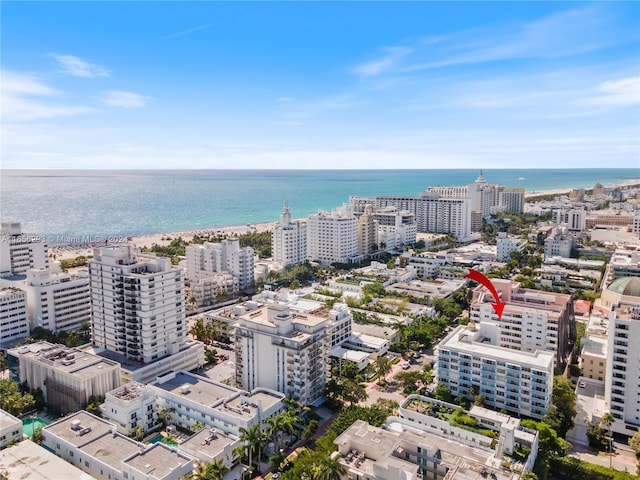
72 251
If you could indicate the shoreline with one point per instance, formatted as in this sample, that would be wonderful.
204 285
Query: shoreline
62 252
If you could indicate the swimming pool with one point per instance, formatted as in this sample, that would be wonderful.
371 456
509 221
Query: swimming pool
31 424
160 438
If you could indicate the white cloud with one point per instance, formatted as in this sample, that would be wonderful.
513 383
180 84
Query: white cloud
118 98
77 67
622 92
390 58
19 104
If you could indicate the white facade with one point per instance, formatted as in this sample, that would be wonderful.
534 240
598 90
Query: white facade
192 399
21 251
332 237
137 304
622 385
10 429
67 376
14 321
395 228
95 447
520 382
511 200
284 351
506 245
289 240
575 219
58 301
531 320
210 289
224 257
558 244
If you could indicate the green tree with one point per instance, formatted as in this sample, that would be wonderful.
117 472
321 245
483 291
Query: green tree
254 439
196 426
560 416
214 470
374 289
95 401
3 362
295 284
37 435
166 415
607 420
443 393
353 392
382 368
327 468
634 442
13 400
310 429
137 432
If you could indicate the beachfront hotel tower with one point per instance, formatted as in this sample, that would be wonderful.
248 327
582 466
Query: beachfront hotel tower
333 236
289 240
21 251
137 304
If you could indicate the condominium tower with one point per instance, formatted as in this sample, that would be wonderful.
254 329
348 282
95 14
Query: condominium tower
137 303
208 259
289 240
21 251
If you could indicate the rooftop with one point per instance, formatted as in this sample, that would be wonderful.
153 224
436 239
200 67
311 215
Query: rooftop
112 449
27 460
7 419
464 339
75 361
88 429
629 286
208 443
158 460
198 389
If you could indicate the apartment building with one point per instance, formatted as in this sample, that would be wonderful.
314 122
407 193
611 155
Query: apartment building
66 376
224 257
333 237
94 446
21 251
10 429
511 200
207 291
531 320
622 384
289 240
57 301
191 398
283 351
138 305
14 321
367 231
575 219
518 381
403 451
558 244
396 228
506 245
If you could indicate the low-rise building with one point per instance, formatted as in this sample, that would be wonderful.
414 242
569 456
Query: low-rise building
95 447
209 445
67 376
28 460
191 398
10 429
506 245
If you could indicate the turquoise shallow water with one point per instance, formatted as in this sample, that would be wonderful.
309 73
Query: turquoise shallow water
99 204
31 424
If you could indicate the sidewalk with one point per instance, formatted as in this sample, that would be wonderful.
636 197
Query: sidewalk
620 460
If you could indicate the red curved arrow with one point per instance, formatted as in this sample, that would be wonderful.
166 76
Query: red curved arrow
480 278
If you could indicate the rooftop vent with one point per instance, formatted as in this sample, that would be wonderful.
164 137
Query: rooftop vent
184 389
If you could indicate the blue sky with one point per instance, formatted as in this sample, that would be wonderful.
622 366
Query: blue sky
320 85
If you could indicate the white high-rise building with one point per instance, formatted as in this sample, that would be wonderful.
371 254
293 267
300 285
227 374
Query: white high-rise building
284 351
511 200
137 304
622 384
396 228
224 257
21 251
14 321
518 381
289 240
531 320
333 236
57 301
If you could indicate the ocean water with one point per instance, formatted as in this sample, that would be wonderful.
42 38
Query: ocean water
101 204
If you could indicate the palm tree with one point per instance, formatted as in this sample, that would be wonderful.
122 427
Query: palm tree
214 470
328 468
254 439
197 426
274 425
166 415
137 432
383 367
607 420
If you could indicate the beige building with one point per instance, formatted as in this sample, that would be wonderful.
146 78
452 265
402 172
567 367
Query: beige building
283 351
67 376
